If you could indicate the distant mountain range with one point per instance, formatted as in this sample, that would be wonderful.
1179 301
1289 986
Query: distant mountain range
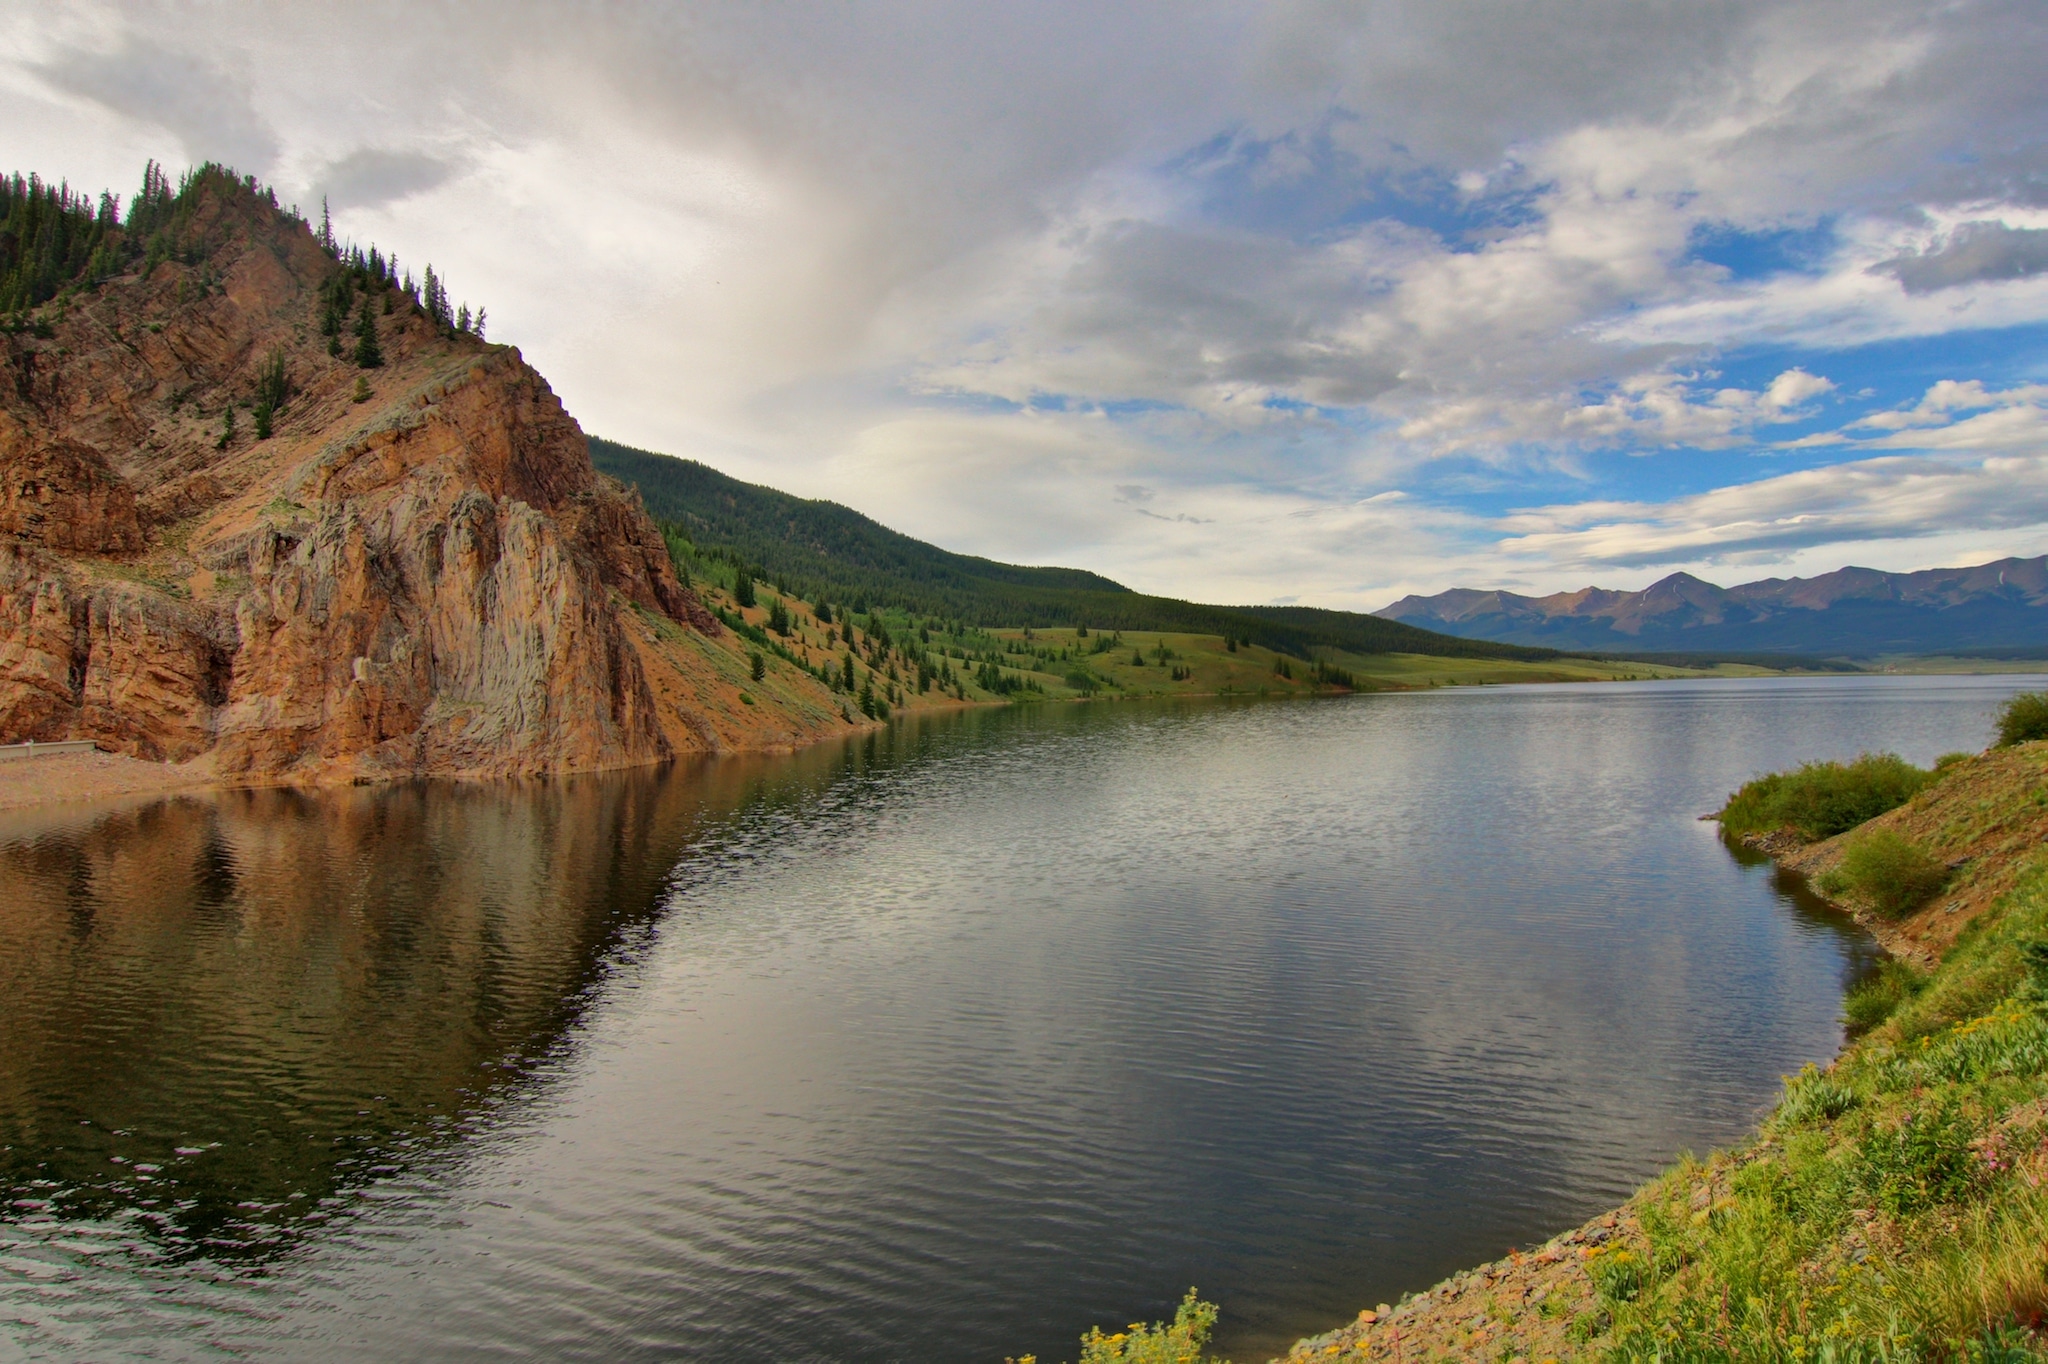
1859 612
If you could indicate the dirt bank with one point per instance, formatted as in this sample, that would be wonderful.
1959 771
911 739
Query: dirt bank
94 776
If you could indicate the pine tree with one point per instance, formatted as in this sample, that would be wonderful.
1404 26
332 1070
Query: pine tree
479 327
848 673
326 233
227 429
434 298
273 385
757 666
369 355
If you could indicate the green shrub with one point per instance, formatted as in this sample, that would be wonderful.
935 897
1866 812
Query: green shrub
1891 872
2023 719
1180 1342
1820 800
1948 760
1923 1161
1875 998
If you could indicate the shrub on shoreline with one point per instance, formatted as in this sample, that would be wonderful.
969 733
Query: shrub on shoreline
1177 1342
2023 719
1820 800
1890 871
1877 997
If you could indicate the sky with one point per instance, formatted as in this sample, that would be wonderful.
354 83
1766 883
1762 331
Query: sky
1322 303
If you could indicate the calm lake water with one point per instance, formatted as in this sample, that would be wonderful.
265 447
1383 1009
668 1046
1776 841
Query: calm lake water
941 1044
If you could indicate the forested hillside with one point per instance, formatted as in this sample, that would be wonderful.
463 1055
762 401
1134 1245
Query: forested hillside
822 550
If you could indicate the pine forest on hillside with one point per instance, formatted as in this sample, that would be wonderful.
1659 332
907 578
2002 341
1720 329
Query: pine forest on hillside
820 550
54 241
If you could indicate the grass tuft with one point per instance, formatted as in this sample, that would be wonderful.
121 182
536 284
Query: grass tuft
1923 1161
1811 1097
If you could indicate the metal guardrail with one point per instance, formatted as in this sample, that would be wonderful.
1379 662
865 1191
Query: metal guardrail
33 749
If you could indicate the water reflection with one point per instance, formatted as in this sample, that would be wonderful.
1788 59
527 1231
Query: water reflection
941 1043
230 1017
1861 953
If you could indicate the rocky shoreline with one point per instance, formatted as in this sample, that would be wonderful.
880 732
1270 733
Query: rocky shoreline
1526 1301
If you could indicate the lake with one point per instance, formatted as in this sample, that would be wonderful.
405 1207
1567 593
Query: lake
942 1043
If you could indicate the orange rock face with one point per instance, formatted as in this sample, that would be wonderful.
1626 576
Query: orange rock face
432 581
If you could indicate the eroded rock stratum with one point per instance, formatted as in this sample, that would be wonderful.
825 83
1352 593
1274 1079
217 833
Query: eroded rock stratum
429 580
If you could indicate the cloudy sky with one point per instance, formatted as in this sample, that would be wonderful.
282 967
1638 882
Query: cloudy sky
1317 302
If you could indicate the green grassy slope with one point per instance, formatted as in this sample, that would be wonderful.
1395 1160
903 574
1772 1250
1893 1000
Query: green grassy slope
824 549
1893 1206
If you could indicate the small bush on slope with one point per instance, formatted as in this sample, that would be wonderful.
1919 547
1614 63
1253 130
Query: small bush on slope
2023 719
1177 1342
1891 872
1873 1000
1820 800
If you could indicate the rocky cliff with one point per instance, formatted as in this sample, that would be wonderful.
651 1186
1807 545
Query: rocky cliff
416 572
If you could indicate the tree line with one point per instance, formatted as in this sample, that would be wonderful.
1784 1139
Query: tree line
822 548
54 239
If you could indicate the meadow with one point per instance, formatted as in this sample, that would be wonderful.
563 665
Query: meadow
912 662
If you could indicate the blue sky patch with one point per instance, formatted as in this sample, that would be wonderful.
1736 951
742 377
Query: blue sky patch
1748 255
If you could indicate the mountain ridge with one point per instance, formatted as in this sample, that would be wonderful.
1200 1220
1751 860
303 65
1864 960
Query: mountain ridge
1852 611
824 547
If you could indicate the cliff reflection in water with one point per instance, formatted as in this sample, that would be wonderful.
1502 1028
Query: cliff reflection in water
230 1020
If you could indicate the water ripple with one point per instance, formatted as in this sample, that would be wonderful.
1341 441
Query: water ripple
944 1043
